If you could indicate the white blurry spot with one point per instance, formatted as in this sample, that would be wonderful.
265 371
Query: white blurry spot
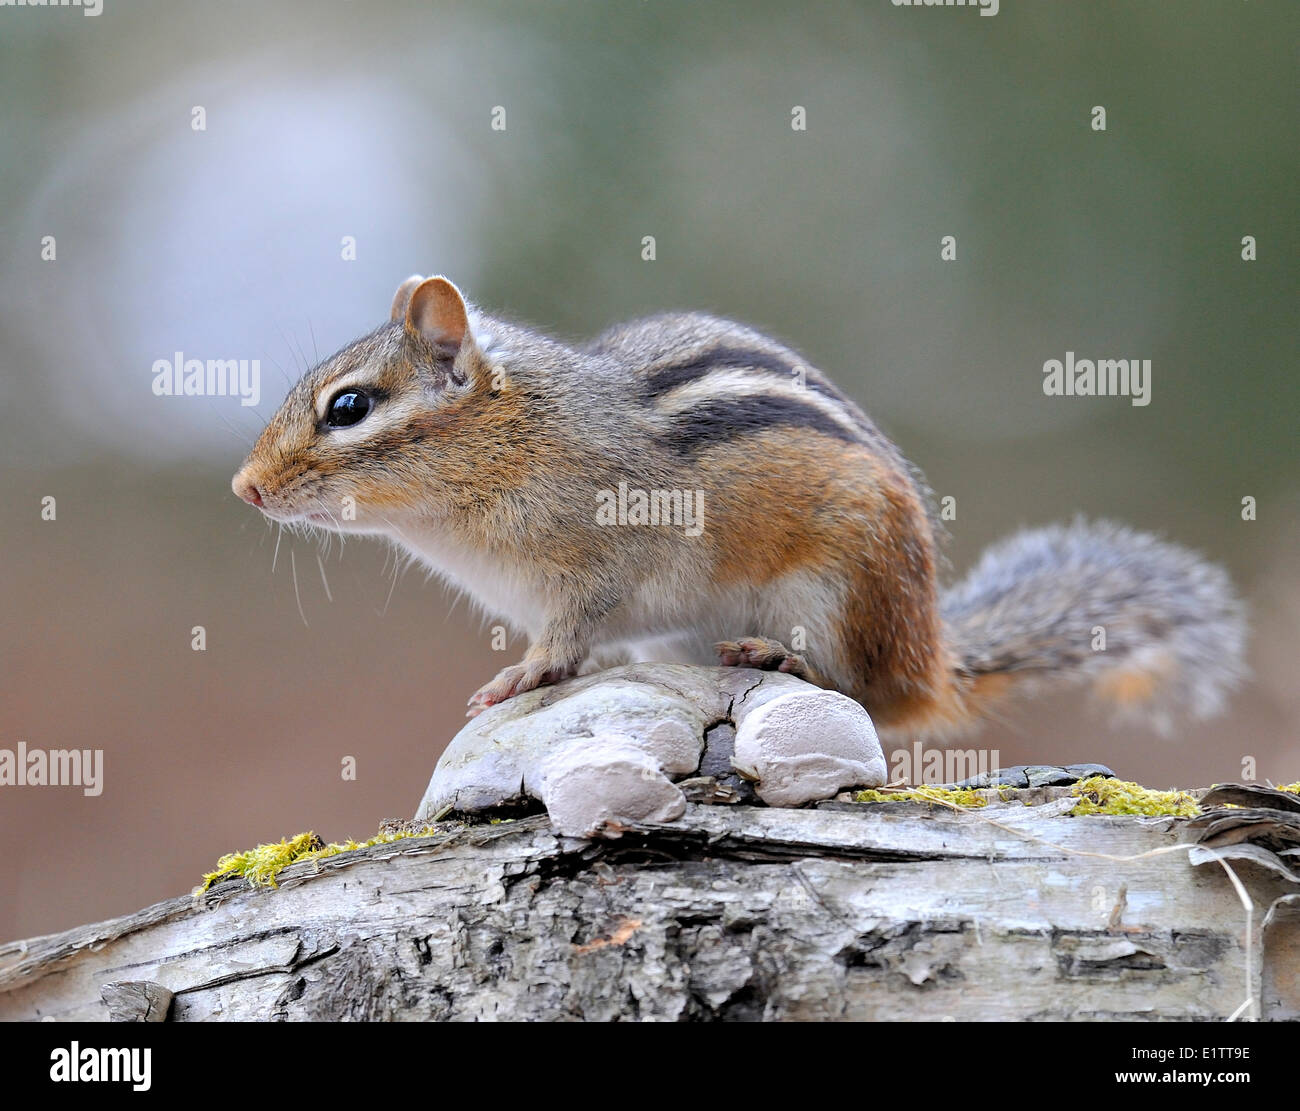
226 246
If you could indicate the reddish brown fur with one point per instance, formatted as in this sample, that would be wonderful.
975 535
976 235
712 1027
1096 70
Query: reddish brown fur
814 517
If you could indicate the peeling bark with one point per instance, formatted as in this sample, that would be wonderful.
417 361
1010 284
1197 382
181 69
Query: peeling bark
843 912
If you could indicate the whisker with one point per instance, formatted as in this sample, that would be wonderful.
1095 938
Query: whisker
289 344
324 581
236 432
288 382
293 563
391 588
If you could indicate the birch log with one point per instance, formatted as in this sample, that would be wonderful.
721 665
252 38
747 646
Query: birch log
846 911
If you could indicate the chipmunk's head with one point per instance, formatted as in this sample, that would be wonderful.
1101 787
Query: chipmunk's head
385 429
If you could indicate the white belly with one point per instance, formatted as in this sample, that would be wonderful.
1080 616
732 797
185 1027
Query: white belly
499 592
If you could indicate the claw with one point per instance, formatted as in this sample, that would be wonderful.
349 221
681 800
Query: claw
761 653
513 680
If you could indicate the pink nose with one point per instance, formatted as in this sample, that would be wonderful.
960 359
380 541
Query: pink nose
247 490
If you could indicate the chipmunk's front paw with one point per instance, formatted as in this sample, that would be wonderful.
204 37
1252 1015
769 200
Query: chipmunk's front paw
761 653
514 680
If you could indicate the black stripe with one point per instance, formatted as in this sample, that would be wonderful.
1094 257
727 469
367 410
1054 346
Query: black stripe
663 379
722 419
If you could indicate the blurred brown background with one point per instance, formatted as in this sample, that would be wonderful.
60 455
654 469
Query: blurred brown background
624 119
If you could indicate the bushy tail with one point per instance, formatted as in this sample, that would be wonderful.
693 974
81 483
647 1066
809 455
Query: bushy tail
1157 631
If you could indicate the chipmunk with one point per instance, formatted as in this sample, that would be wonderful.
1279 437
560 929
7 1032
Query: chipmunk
488 451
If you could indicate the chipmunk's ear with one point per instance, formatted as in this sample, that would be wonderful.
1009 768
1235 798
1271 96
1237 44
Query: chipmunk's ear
402 298
437 312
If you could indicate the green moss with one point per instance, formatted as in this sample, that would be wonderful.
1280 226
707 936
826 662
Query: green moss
261 865
1097 795
963 796
1100 795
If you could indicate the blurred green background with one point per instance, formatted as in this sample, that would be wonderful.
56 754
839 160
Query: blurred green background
624 118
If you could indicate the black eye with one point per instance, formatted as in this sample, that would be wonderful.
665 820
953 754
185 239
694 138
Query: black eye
347 408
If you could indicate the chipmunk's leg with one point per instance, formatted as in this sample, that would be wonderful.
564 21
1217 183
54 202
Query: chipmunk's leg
556 654
604 657
765 655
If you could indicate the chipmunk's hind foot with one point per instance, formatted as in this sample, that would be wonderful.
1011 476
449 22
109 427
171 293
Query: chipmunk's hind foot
763 654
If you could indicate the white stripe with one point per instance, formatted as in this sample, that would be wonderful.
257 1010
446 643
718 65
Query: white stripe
728 382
